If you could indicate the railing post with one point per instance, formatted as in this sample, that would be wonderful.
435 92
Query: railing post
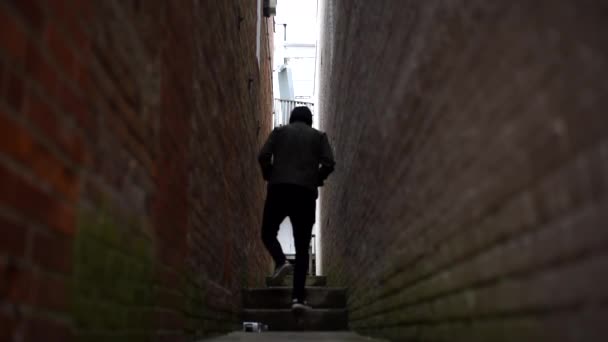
283 108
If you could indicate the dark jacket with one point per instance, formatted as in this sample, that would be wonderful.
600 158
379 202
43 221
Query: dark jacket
297 154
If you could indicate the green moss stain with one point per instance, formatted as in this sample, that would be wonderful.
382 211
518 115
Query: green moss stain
117 289
113 281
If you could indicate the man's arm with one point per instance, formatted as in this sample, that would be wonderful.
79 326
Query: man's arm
327 160
265 157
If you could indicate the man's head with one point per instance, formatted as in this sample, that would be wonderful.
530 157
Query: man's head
301 114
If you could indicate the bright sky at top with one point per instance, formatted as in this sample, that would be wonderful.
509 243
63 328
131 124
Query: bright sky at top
301 19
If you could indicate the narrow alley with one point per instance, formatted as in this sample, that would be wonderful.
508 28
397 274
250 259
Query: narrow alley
468 202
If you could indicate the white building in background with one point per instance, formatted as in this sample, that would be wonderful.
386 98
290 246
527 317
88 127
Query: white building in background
295 49
294 72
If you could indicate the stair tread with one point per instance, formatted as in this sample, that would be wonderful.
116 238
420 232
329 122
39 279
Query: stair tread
320 310
312 336
283 288
310 280
281 297
312 320
308 276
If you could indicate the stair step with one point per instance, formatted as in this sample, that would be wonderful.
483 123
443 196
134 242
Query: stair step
288 281
307 336
280 298
285 320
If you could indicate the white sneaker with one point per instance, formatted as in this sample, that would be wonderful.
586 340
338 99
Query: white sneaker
299 306
281 272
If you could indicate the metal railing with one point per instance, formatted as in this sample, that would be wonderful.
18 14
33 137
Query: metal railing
282 110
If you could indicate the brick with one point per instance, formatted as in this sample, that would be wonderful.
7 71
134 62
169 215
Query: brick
40 113
53 293
63 11
8 327
3 72
45 329
74 104
39 70
18 283
31 11
80 37
22 285
16 142
32 202
12 36
13 238
14 93
59 48
53 253
82 76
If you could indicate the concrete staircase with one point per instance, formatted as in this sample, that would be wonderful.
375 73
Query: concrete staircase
272 306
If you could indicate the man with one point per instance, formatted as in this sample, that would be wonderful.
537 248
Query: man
295 160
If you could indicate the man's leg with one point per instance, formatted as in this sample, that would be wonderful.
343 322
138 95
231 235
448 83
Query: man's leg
274 214
302 219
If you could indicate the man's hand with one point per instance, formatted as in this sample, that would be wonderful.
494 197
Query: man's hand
265 157
327 160
266 172
320 181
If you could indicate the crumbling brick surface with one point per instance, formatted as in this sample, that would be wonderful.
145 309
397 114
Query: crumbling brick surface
469 199
130 197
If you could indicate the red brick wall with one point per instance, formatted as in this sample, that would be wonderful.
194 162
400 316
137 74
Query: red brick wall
130 195
470 200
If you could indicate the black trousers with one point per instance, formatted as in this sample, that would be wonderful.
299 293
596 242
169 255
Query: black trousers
299 204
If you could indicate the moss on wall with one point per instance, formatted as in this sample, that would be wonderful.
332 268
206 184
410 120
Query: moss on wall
113 281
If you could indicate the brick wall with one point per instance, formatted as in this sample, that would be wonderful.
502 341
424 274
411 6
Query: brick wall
130 195
470 197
